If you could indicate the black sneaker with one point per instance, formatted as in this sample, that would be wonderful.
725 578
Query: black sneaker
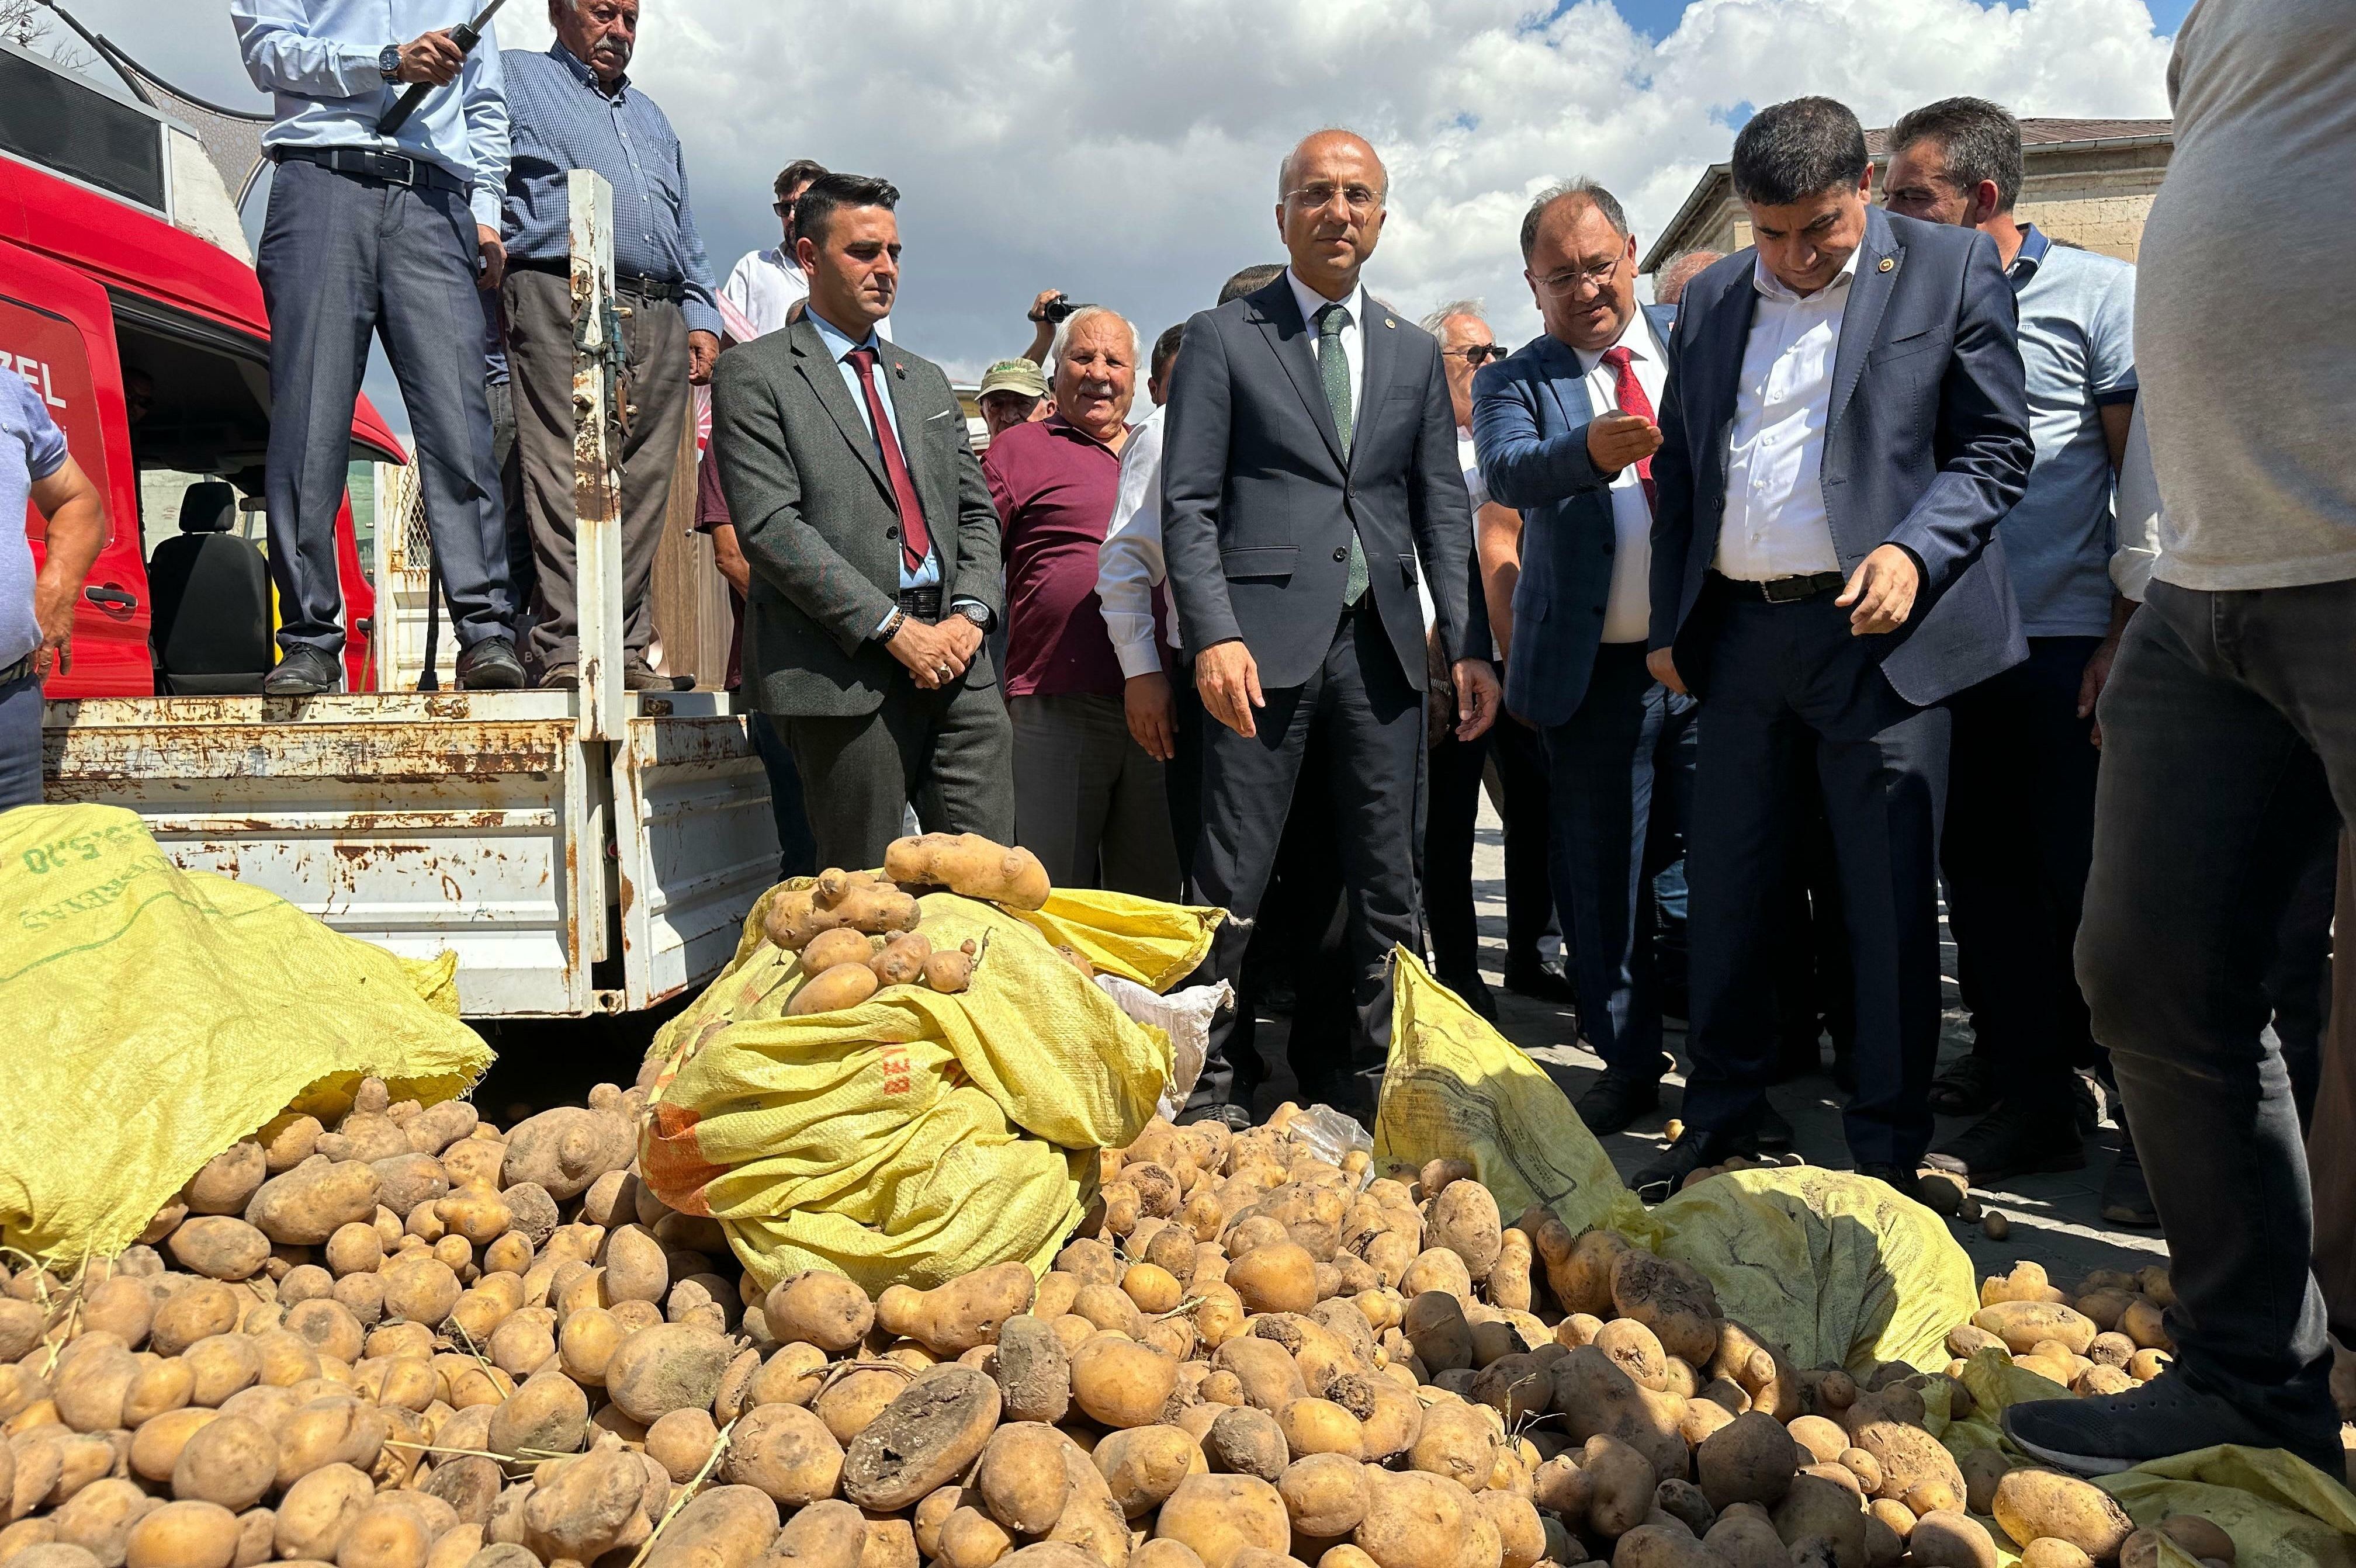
1897 1177
2104 1435
1541 981
301 672
2127 1199
1663 1177
2017 1138
561 677
1614 1102
638 677
1774 1131
1966 1089
1235 1118
490 666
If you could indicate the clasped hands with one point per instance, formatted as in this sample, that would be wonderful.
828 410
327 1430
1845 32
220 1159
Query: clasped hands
936 654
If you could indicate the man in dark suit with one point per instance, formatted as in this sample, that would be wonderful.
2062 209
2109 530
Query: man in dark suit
1566 436
1845 425
874 547
1310 479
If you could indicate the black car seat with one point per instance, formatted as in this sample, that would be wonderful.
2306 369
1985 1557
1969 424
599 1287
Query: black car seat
211 632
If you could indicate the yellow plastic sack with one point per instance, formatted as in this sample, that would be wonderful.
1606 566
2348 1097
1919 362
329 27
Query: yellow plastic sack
1836 1265
917 1136
1456 1089
157 1015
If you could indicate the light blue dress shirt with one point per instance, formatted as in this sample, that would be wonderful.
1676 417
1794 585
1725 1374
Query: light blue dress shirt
318 60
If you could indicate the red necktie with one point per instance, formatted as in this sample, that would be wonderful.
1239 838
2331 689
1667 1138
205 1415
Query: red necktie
1629 394
915 539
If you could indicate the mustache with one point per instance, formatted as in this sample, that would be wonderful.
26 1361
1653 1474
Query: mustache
612 49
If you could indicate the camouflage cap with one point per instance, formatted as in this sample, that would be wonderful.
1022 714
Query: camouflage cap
1019 376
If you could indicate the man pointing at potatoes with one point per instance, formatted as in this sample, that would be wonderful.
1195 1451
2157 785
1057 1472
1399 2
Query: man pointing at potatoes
1844 427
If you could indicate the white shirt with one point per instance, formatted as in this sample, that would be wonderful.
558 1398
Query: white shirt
1353 335
1129 562
1628 608
1775 523
765 286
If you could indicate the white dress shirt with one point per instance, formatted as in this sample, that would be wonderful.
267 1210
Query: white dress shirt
1628 608
1775 523
765 286
1353 335
1129 562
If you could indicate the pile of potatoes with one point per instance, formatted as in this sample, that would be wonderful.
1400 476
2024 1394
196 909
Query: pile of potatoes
410 1340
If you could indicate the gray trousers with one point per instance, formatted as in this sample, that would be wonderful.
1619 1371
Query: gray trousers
2229 762
343 257
1088 800
20 743
539 360
950 751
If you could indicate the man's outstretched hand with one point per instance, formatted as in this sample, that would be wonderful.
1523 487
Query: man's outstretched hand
1228 677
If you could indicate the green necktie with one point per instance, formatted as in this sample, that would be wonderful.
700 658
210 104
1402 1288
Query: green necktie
1334 368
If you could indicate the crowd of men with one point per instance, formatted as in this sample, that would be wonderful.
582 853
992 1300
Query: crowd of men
1838 573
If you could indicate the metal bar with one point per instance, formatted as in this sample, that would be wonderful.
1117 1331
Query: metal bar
596 457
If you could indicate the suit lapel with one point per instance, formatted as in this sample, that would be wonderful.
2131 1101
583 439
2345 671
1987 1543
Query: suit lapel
1868 296
1716 357
1279 318
825 378
1378 340
1565 383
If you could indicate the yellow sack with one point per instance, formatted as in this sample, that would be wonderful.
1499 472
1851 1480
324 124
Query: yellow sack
157 1015
916 1136
1456 1089
1836 1265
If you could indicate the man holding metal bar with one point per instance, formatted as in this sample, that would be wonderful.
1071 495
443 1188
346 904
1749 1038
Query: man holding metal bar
390 232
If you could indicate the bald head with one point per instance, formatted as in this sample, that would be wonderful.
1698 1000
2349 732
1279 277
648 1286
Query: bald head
1669 282
1329 209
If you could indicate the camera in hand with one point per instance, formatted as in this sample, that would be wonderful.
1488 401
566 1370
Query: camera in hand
1055 310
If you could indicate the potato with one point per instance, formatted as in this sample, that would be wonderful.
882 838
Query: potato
925 1439
820 1308
972 1538
840 945
971 864
307 1204
787 1453
158 1386
1413 1520
2021 1324
1947 1538
1598 1398
1435 1324
88 1388
184 1535
100 1517
419 1289
1164 1554
959 1316
229 1460
1620 1486
844 986
334 1431
2030 1503
1662 1546
2200 1538
1218 1517
563 1150
1246 1441
1321 1426
1278 1277
578 1508
549 1414
667 1366
1636 1351
1389 1417
1325 1495
732 1527
1816 1507
1673 1299
1914 1466
1457 1441
1749 1460
1142 1465
317 1511
1464 1220
1033 1371
220 1247
1118 1382
849 1405
2047 1552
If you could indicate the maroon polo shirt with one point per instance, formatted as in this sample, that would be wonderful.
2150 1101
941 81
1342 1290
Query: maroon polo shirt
1055 486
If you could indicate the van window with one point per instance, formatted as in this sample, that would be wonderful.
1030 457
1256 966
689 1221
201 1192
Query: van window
48 351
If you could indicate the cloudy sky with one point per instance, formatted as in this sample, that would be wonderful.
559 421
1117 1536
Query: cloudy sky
1126 151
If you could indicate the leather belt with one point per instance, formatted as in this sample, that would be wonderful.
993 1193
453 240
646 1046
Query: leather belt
21 670
367 163
1786 590
921 603
643 287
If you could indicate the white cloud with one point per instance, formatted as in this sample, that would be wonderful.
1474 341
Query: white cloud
1127 152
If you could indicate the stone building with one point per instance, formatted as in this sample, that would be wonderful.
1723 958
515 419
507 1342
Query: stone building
2087 181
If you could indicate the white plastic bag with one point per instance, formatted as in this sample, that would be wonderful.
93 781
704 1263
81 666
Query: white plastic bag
1185 1016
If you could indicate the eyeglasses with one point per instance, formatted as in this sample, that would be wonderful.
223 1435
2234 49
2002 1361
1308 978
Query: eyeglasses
1598 277
784 208
1478 354
1361 199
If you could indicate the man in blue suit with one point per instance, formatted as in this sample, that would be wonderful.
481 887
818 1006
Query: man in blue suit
1565 433
1845 425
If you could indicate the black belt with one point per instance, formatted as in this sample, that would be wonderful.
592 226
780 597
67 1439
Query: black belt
644 288
1785 590
21 670
921 603
366 162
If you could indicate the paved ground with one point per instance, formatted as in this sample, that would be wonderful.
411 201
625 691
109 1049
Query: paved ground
2056 1220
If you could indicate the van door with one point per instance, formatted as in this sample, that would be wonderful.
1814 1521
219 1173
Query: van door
56 331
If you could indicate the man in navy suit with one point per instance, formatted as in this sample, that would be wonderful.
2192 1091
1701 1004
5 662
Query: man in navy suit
1565 433
1845 425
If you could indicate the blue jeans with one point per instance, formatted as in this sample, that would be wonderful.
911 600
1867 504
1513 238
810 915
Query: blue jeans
2229 763
20 743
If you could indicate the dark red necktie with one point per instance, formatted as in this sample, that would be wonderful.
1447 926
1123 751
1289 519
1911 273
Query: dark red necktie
1629 394
915 539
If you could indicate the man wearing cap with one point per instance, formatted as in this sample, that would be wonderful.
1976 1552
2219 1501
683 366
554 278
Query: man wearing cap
1014 393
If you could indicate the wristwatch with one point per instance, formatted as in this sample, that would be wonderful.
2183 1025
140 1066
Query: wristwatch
976 614
387 62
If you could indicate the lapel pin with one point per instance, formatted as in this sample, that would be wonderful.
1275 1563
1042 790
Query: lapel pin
1887 264
1389 322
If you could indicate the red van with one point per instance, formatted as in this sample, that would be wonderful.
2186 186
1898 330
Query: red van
97 282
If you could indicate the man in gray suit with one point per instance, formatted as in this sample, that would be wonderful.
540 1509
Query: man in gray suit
874 547
1310 480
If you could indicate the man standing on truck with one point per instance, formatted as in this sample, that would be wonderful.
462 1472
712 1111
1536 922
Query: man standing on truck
393 233
36 611
575 107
